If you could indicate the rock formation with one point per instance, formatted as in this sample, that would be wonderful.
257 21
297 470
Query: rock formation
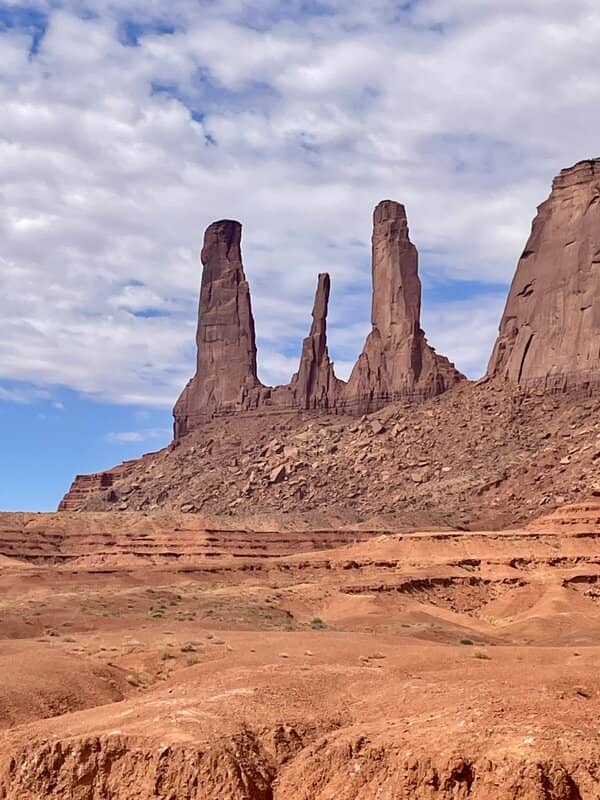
396 361
550 332
486 450
315 385
226 363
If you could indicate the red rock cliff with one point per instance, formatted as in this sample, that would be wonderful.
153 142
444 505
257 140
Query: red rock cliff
549 334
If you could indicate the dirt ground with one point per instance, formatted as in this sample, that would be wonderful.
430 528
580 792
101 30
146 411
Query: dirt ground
240 663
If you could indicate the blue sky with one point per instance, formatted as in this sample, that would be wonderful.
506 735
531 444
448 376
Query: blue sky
128 126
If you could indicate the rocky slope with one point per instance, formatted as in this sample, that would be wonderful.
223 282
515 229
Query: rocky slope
478 454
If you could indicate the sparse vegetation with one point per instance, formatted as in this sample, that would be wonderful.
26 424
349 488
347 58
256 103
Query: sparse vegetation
317 624
467 641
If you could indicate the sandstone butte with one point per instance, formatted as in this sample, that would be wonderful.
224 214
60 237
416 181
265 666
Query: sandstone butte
548 342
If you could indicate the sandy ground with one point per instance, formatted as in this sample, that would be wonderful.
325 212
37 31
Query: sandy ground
431 664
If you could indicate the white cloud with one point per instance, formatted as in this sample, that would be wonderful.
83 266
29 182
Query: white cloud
461 110
127 437
24 394
466 329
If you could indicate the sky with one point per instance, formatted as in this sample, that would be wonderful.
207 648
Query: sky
127 126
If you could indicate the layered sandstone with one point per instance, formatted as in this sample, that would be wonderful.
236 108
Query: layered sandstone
549 334
397 362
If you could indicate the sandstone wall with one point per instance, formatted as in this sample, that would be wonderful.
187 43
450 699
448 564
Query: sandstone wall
549 334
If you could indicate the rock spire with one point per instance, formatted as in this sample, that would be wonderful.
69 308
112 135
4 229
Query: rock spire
396 361
226 362
315 385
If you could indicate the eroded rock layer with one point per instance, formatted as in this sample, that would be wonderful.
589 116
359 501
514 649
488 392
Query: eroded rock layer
432 665
550 332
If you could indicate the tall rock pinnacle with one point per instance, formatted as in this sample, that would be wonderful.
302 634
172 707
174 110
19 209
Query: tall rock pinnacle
226 362
396 361
315 385
550 332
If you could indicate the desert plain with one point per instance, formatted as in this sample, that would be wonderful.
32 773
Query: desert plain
170 655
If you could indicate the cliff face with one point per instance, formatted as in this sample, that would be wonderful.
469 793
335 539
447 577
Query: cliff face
549 334
396 362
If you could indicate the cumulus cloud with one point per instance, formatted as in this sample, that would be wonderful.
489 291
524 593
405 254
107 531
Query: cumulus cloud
129 126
